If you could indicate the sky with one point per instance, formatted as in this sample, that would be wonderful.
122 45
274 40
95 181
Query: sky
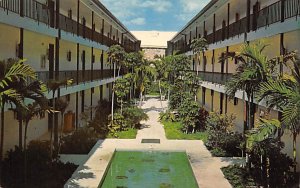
159 15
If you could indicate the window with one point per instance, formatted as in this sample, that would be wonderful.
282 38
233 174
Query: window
235 101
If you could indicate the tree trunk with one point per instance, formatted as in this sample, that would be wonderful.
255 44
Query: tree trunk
295 151
160 93
248 163
141 98
113 95
197 67
2 131
61 131
51 133
119 70
20 133
121 106
25 153
55 122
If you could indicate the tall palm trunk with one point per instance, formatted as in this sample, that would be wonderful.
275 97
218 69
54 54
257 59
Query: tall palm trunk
113 95
61 131
52 127
141 98
160 93
2 131
295 151
25 153
248 109
20 132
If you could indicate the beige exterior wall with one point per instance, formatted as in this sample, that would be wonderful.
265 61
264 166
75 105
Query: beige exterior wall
9 39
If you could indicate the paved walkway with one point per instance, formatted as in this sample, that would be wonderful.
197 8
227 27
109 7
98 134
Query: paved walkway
205 167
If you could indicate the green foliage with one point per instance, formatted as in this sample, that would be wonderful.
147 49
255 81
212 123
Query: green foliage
100 121
199 45
203 115
122 87
238 177
116 54
275 168
134 116
189 114
80 141
130 119
42 170
267 129
174 131
218 127
168 116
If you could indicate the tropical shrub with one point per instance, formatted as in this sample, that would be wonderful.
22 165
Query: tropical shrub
133 116
42 170
130 118
238 177
219 135
270 166
189 114
79 142
100 121
202 118
168 116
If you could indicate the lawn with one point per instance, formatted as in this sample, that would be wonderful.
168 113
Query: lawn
129 134
173 132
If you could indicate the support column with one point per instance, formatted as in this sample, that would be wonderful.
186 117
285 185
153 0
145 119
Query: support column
93 26
22 8
248 15
282 10
214 28
213 62
204 29
228 19
76 111
102 32
78 7
77 67
58 91
92 64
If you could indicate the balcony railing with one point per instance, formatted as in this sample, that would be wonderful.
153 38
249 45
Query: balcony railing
77 76
271 14
215 77
42 13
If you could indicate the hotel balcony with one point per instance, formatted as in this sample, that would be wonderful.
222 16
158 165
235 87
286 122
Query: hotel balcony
278 12
45 14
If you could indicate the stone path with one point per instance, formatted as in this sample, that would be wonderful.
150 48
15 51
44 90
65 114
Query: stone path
205 167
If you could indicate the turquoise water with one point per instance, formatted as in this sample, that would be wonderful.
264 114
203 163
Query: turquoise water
137 169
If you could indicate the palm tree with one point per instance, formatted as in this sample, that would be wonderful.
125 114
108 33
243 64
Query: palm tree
34 91
61 106
11 73
143 72
253 68
37 109
53 86
199 45
122 88
116 55
284 94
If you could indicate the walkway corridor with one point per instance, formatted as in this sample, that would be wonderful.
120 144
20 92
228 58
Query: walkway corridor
206 168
